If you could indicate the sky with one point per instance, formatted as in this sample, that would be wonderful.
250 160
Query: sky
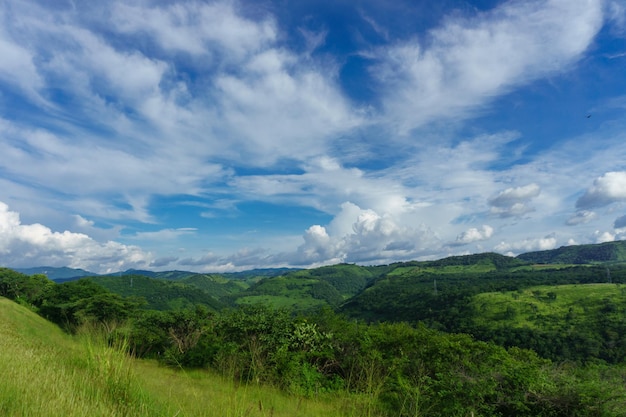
226 135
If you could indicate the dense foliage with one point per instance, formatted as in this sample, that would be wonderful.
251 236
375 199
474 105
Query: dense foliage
406 370
482 334
444 299
158 294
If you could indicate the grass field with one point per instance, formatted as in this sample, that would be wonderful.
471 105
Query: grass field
48 373
549 307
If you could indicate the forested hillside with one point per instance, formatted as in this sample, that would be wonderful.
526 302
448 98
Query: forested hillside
402 335
609 252
386 369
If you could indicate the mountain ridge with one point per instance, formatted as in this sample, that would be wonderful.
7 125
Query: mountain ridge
607 252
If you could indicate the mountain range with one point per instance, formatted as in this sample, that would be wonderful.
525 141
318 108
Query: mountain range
608 252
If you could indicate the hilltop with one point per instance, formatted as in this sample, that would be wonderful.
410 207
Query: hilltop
609 252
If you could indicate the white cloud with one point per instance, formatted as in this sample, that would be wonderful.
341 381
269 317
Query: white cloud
514 201
616 12
470 60
607 189
527 245
17 68
363 236
196 28
474 235
35 244
602 237
164 99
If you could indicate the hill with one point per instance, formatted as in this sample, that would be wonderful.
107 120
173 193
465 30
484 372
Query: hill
438 292
56 274
159 294
575 322
48 373
609 252
308 289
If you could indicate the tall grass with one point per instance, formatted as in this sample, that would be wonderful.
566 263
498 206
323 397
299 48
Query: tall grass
46 373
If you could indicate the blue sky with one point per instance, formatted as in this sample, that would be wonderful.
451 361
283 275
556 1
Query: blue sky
229 135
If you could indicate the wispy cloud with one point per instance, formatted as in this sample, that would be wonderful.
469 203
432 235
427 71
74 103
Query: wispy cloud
469 60
106 110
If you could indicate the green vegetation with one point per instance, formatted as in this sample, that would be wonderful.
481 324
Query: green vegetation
609 252
549 307
305 290
158 294
392 340
565 322
272 365
45 372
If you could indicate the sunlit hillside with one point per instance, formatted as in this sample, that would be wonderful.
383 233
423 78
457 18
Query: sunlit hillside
46 372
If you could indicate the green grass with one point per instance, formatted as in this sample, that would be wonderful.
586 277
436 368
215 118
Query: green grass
46 372
548 307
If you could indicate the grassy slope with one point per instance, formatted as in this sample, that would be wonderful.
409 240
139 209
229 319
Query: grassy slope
48 373
548 307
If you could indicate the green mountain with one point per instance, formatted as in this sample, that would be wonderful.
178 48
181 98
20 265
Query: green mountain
215 284
56 274
159 294
438 292
609 252
307 289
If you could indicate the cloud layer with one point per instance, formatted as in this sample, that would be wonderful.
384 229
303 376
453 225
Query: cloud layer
144 134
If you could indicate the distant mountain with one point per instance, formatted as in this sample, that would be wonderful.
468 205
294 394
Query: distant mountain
143 272
609 252
56 274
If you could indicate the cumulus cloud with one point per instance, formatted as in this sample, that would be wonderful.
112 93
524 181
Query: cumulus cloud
474 235
35 244
607 189
602 237
514 201
527 245
363 236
